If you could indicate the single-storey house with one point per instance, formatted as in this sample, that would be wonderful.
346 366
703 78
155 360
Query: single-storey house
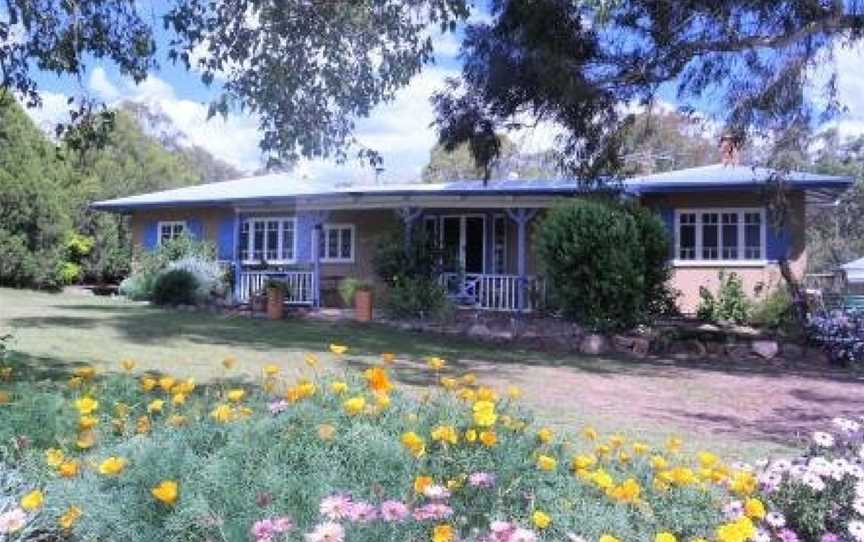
313 236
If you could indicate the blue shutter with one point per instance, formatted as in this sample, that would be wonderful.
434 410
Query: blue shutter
151 234
777 241
225 239
196 228
667 215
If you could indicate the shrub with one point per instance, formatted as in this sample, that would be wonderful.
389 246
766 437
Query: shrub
392 262
421 298
841 336
381 464
730 305
605 263
182 253
774 310
209 274
139 286
175 287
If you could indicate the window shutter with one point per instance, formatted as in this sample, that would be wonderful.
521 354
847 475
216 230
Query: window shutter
667 215
196 228
777 241
225 239
151 234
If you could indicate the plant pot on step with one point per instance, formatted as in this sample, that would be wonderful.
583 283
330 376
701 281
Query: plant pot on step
363 305
275 303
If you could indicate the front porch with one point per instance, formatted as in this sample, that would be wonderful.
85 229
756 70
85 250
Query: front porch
482 254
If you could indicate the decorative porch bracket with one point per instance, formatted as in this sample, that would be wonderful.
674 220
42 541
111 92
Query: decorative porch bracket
317 219
408 215
521 217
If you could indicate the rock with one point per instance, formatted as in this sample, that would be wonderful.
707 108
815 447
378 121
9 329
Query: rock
479 331
635 346
765 349
594 345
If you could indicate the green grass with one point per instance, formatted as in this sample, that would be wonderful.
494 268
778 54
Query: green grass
55 332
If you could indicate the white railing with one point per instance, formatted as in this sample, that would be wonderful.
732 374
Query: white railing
490 292
299 289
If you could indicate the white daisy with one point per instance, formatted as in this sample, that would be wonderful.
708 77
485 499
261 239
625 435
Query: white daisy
823 439
813 481
858 505
856 529
775 519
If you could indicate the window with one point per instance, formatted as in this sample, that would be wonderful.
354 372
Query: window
719 235
336 243
170 230
270 240
499 250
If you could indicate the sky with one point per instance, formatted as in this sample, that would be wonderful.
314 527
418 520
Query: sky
399 130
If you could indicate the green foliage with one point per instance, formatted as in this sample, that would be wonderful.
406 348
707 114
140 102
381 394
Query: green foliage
605 263
350 286
70 272
175 287
730 304
774 310
185 253
393 260
662 141
417 297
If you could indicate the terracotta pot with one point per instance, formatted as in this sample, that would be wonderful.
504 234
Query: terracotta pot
363 305
275 303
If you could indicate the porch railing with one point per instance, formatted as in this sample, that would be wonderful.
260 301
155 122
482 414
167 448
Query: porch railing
490 292
299 289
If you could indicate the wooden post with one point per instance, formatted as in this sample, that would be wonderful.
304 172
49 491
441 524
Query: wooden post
238 267
318 219
521 217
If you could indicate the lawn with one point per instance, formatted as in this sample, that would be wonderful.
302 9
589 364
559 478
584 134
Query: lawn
744 411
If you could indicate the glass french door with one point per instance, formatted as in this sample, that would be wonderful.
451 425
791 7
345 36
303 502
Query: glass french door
463 241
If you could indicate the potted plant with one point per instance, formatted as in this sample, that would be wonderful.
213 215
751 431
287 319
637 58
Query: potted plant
359 293
275 299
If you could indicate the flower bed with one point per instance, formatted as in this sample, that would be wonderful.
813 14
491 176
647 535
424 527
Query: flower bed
840 335
343 456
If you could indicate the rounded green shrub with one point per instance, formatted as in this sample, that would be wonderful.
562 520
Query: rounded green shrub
175 287
605 262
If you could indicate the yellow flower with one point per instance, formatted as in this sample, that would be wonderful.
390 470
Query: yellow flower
445 433
236 395
166 383
86 405
414 443
142 425
484 413
541 519
53 457
388 357
338 386
421 483
602 479
488 438
69 517
743 483
32 501
739 530
186 387
514 392
471 435
659 462
616 441
674 444
582 462
178 399
166 492
87 422
545 462
128 365
155 406
707 460
377 379
589 433
665 537
382 400
607 538
84 373
222 413
467 394
753 508
443 533
486 394
86 439
326 431
469 379
436 363
627 492
176 420
338 349
271 369
354 405
229 362
640 448
545 435
75 382
448 383
5 398
148 383
112 466
68 469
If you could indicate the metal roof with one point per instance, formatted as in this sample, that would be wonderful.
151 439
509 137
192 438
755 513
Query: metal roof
855 264
284 186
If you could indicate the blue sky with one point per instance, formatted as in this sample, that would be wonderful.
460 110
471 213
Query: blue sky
399 130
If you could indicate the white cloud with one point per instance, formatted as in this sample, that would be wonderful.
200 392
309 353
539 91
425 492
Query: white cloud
99 83
54 110
850 90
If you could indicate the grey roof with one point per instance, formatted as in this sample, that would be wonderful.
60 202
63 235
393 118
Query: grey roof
285 186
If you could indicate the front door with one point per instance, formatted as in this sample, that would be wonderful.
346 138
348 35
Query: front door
463 243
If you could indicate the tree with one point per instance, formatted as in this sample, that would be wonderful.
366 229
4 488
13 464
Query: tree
459 164
664 141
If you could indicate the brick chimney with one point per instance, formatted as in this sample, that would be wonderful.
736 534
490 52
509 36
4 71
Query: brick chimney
730 149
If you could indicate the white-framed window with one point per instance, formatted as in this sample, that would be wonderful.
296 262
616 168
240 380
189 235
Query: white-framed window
268 239
170 229
336 243
721 235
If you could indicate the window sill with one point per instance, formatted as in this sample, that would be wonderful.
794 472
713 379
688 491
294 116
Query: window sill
336 260
718 263
268 262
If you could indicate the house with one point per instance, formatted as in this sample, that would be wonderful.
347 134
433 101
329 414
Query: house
314 235
852 276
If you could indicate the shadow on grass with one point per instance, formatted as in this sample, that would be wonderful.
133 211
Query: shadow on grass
147 325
